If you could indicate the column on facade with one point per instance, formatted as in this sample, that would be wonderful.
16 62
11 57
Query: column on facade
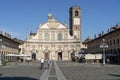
41 51
53 54
69 54
65 52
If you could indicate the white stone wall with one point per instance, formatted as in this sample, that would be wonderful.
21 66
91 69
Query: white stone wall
40 46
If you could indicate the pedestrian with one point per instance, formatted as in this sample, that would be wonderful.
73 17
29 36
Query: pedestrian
108 61
42 63
48 61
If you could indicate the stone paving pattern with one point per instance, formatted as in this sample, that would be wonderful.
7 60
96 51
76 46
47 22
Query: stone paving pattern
64 70
87 71
52 74
21 71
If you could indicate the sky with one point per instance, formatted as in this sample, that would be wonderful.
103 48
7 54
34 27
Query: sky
20 16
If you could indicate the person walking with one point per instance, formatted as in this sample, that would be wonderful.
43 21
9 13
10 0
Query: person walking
42 63
48 61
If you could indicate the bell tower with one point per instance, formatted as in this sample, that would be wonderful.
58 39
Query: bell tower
75 22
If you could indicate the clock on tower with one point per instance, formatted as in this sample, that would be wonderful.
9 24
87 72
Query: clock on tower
76 21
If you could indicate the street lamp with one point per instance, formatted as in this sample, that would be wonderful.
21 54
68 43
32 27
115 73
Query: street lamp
103 46
0 53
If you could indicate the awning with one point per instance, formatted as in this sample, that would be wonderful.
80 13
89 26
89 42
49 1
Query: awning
22 55
11 55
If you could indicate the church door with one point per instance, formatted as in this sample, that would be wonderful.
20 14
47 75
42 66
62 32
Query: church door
59 56
46 55
33 56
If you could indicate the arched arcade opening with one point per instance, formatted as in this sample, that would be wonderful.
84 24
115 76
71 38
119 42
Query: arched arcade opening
59 55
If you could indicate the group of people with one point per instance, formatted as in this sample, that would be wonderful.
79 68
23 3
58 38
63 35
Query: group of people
42 61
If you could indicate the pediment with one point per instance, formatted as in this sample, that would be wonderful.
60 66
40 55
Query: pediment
53 25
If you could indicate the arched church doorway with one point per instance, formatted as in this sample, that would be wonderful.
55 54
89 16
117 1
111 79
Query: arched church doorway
33 56
46 55
59 55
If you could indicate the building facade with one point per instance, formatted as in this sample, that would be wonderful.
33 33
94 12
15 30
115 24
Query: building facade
8 46
112 39
55 40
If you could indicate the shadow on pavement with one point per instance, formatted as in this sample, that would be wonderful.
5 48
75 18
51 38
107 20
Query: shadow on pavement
1 74
115 75
17 78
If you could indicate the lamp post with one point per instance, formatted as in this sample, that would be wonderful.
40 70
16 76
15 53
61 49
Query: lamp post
23 52
0 53
103 46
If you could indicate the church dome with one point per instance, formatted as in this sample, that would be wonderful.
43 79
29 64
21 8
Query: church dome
49 15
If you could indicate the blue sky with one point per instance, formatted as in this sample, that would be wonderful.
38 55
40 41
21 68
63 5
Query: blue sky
19 16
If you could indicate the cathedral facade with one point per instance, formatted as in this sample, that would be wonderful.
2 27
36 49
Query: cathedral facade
55 40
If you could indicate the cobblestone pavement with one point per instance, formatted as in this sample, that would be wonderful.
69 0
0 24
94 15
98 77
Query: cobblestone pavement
30 71
62 70
21 71
87 71
54 73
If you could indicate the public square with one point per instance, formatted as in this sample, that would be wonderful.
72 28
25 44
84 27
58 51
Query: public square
60 70
79 38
